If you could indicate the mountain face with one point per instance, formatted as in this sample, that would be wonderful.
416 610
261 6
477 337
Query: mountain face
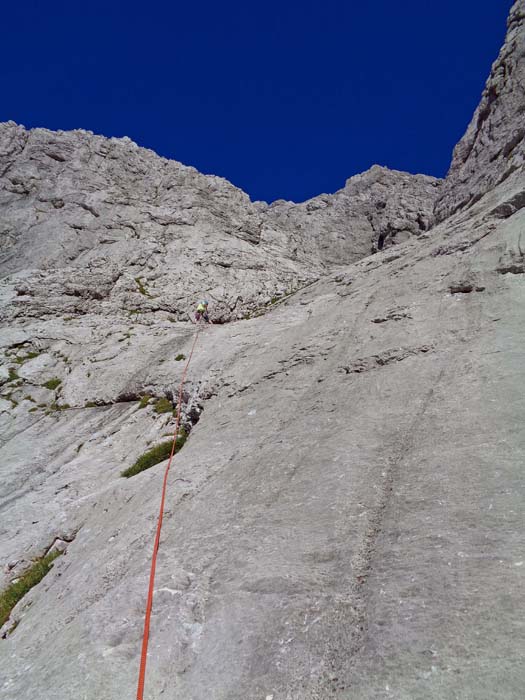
345 519
90 215
493 147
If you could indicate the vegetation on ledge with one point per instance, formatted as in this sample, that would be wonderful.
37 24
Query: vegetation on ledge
17 590
52 383
155 455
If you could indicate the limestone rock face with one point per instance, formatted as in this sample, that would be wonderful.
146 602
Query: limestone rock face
350 493
90 223
345 519
493 147
379 206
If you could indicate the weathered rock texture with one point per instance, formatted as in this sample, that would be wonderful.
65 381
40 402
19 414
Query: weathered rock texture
380 205
90 223
346 518
493 146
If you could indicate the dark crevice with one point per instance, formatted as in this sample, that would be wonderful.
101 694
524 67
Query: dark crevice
55 156
393 315
512 268
509 207
465 288
383 359
485 111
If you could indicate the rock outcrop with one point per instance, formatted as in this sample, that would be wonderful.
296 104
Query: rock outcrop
376 209
345 519
90 223
96 224
493 147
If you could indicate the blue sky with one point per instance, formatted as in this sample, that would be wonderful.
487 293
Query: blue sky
285 99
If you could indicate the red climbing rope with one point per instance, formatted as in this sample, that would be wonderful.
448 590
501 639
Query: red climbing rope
149 602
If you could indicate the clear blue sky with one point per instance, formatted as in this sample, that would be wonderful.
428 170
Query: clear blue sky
285 99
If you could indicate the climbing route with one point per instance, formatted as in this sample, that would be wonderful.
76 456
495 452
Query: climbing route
151 587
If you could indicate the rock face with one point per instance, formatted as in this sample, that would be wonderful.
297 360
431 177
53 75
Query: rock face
345 519
90 223
377 208
493 147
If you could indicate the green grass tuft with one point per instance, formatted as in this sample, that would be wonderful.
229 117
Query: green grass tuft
156 454
59 406
12 375
144 401
180 357
52 383
16 591
163 406
24 358
90 404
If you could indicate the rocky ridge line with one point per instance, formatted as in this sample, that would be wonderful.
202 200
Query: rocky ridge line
493 147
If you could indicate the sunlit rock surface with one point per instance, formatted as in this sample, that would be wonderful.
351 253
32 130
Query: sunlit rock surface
346 517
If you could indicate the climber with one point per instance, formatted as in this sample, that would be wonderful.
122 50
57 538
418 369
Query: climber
202 312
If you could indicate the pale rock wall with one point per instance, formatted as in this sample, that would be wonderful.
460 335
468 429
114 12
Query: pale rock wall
493 147
346 517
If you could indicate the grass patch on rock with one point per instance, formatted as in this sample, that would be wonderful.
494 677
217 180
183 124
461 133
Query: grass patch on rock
23 358
155 455
52 383
16 591
58 406
144 401
163 406
180 357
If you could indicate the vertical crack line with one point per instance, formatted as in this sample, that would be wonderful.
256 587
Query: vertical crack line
362 561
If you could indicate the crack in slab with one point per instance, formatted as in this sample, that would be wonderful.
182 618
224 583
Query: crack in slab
384 358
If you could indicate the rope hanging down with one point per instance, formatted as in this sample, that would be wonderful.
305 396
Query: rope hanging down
149 602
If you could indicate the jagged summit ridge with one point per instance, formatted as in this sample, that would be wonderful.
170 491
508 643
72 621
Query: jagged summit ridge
380 204
84 210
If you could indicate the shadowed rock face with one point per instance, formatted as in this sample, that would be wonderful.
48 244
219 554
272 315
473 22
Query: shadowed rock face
345 519
493 147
